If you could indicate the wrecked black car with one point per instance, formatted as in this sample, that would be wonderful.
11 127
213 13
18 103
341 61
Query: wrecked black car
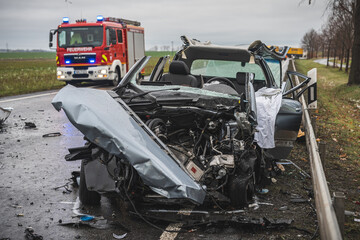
208 130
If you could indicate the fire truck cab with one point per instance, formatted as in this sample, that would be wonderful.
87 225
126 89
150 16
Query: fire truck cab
99 51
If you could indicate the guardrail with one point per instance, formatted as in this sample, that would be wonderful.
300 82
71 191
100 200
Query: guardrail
328 223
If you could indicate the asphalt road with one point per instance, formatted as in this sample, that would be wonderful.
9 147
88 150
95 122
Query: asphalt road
31 166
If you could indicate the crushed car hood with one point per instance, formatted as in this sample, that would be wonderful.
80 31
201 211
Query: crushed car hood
108 124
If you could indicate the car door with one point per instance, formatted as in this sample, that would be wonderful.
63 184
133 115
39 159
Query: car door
289 117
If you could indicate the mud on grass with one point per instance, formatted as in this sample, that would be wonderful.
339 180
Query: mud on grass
338 124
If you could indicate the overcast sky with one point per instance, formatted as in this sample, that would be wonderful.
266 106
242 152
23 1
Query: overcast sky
25 24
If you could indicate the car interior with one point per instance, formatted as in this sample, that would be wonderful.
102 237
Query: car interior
179 74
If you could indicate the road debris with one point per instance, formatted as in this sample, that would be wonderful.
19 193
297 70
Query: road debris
289 162
263 191
97 224
283 208
349 213
65 186
86 218
280 166
4 114
30 235
295 198
55 134
119 236
30 125
207 218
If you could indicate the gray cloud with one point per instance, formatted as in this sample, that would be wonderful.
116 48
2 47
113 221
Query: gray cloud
26 24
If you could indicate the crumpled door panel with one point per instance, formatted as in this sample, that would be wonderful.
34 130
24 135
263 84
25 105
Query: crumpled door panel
108 124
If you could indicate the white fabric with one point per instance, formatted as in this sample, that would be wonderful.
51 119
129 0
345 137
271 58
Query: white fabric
268 103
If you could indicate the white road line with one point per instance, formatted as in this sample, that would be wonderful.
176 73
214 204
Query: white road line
22 98
176 227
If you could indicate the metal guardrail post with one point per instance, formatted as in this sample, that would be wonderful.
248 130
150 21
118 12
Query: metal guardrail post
328 224
339 205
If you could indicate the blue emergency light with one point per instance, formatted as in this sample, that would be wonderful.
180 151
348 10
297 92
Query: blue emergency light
100 18
92 60
67 61
65 20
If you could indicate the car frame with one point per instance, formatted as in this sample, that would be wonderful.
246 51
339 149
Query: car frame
184 137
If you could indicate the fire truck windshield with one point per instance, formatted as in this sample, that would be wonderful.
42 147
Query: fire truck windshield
80 37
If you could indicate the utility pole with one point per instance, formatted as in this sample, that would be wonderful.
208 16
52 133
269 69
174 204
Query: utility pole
172 48
7 47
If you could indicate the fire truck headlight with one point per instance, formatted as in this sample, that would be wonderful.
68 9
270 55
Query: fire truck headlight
103 71
59 73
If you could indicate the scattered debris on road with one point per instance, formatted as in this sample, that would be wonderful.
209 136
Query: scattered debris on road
55 134
119 236
86 218
30 235
30 125
4 114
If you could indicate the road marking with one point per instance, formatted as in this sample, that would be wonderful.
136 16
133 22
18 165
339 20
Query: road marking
176 227
22 98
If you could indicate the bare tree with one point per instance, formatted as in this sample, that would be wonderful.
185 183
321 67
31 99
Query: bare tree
310 42
341 35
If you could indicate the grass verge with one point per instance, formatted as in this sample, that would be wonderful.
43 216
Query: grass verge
338 124
26 76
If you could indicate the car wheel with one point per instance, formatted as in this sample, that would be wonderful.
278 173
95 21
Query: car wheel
87 197
116 80
241 191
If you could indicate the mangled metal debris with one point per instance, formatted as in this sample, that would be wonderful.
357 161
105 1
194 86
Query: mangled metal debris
132 142
4 114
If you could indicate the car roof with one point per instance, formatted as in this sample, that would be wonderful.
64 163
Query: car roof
215 52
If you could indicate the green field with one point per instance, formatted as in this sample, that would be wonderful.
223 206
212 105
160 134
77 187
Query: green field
52 55
25 76
27 55
26 72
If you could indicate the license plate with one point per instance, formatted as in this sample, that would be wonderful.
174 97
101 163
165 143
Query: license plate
80 71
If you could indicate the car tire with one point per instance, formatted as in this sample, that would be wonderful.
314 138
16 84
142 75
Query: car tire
116 80
241 191
87 197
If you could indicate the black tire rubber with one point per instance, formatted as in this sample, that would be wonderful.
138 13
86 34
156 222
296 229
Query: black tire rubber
87 197
116 81
241 191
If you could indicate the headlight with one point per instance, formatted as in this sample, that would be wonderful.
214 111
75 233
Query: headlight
59 72
103 71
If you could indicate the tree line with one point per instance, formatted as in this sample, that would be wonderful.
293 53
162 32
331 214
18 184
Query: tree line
338 38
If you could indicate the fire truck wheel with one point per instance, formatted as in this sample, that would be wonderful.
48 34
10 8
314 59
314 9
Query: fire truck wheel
116 80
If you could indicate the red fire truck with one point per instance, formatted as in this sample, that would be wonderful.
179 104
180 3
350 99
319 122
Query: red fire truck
98 51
